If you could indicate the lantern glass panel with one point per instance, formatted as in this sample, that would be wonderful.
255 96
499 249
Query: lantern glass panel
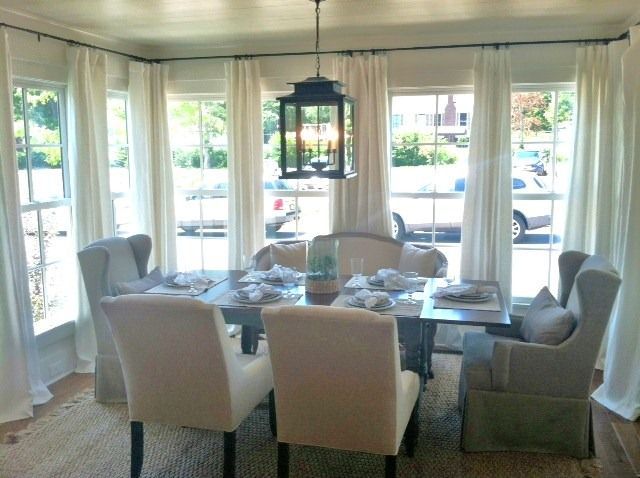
349 155
319 135
290 135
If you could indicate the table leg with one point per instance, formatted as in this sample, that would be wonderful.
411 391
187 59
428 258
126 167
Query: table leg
249 339
432 328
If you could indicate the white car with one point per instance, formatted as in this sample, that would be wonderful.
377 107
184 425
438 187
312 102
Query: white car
212 211
411 215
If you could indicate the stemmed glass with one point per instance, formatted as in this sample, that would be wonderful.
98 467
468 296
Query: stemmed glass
412 286
357 265
289 280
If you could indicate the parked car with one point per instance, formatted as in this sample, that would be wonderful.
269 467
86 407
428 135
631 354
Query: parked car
410 216
530 161
212 212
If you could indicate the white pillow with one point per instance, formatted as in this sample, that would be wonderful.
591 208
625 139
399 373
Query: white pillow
138 286
546 321
423 261
289 255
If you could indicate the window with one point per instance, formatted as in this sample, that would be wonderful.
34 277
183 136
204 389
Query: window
396 121
293 208
119 176
198 129
542 138
46 209
428 167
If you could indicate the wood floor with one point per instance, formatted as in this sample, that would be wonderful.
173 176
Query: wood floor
613 434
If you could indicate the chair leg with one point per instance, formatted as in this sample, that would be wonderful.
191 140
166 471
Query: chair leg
229 466
413 429
390 466
273 424
137 448
283 460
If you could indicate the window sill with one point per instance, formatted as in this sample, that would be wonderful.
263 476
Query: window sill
54 334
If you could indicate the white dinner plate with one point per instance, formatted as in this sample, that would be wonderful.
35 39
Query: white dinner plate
470 298
373 281
355 302
270 297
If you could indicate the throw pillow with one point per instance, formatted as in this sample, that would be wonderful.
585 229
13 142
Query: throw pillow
290 255
546 321
423 261
138 286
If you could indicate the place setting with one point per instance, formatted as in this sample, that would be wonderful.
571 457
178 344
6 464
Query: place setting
185 283
258 295
277 275
467 296
379 301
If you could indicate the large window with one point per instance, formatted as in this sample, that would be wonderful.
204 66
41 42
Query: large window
541 135
430 139
44 197
119 163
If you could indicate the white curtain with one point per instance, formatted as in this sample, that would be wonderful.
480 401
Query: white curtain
362 203
19 369
89 168
595 185
486 225
244 126
620 391
150 162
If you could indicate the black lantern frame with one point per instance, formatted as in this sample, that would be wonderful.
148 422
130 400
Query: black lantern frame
323 154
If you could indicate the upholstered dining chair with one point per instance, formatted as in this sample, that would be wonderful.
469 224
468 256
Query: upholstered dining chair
338 384
527 388
180 369
105 263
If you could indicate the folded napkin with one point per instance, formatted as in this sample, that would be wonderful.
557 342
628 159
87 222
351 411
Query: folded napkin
392 279
371 299
463 289
255 292
188 278
276 272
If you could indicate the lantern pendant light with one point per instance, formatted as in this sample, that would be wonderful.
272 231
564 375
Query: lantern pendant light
316 127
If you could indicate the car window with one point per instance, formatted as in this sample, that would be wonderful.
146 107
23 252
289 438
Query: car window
459 185
518 183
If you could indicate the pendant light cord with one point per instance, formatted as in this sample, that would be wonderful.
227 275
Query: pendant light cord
317 38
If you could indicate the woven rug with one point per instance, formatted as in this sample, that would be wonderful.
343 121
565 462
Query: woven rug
88 439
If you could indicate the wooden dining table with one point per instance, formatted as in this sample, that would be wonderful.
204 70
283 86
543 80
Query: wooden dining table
416 331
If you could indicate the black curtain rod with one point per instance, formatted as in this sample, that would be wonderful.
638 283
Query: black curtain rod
76 43
326 52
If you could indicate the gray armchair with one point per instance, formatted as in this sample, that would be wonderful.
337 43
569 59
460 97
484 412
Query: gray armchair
104 263
516 395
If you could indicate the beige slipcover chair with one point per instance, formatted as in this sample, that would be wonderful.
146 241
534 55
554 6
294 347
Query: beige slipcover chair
180 369
337 382
104 263
524 396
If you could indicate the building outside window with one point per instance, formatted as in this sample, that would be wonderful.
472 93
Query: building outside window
45 200
119 173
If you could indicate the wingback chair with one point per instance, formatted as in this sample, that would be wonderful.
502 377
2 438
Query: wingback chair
524 396
180 369
105 263
338 384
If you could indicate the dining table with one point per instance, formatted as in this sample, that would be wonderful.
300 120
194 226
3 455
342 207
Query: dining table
416 324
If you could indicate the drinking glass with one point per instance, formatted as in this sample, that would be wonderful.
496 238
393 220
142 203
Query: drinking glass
412 286
289 280
357 266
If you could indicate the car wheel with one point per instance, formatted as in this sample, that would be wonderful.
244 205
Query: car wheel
397 225
518 228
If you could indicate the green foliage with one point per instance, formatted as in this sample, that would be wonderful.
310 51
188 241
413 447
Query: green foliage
190 158
270 118
566 105
408 151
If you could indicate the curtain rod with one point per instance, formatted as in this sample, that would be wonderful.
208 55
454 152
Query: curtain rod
325 52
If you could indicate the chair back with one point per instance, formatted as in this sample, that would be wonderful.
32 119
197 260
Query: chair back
177 360
336 377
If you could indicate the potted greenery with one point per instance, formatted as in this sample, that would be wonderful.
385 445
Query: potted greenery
322 267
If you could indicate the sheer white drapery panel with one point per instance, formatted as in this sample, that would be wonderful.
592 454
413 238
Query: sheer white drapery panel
151 166
89 172
486 241
620 391
21 386
361 204
244 126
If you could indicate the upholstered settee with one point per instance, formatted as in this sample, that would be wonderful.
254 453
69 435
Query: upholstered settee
524 396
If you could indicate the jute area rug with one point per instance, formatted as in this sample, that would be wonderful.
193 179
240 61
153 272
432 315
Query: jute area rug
88 439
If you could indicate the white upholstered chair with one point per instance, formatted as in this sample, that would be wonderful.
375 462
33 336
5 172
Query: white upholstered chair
524 396
105 263
337 382
180 369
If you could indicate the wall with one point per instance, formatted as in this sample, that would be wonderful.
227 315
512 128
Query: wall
46 60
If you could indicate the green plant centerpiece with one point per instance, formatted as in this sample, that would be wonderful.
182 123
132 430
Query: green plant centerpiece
322 266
